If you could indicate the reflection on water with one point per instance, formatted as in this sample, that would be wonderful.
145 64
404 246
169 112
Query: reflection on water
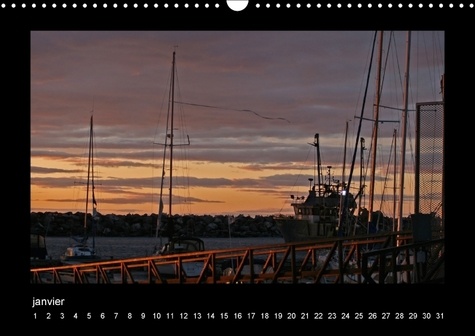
127 247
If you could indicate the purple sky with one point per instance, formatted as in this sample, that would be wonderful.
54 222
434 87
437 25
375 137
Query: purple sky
251 101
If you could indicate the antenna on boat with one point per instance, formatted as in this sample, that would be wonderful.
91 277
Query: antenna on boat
319 163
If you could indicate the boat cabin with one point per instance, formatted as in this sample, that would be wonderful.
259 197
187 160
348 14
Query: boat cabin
183 245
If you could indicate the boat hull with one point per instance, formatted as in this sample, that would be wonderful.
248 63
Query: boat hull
73 260
296 230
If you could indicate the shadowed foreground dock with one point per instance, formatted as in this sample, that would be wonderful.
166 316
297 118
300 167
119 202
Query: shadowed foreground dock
388 258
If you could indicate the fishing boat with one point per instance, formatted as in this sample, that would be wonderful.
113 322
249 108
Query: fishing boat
80 251
176 243
317 215
329 208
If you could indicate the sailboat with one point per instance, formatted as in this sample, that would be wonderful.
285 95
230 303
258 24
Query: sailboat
80 251
165 225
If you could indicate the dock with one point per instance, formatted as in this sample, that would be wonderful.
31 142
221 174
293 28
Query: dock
385 258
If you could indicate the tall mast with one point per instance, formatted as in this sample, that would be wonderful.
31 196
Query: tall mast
342 198
89 172
375 128
169 142
362 176
344 158
394 180
172 94
343 212
94 203
403 135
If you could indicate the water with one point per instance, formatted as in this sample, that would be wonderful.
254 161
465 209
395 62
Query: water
127 247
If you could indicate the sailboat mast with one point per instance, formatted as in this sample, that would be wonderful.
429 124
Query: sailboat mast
94 203
89 164
344 158
362 176
375 128
169 142
172 94
394 180
343 213
343 175
403 135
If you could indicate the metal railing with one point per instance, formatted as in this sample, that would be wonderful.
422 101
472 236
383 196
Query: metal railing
333 260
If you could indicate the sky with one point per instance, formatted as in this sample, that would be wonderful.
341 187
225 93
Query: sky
250 103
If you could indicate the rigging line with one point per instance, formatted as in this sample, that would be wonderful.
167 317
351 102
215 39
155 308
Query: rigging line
239 110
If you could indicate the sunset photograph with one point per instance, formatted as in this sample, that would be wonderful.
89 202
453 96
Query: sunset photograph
209 164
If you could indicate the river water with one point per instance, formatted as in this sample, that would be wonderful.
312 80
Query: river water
127 247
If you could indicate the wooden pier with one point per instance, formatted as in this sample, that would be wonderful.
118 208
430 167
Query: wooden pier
385 258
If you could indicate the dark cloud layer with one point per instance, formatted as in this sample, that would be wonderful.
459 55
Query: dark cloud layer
251 100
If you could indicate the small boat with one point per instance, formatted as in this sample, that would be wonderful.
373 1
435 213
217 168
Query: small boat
182 244
316 216
81 252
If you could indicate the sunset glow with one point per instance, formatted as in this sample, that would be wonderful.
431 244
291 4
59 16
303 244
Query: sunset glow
250 102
